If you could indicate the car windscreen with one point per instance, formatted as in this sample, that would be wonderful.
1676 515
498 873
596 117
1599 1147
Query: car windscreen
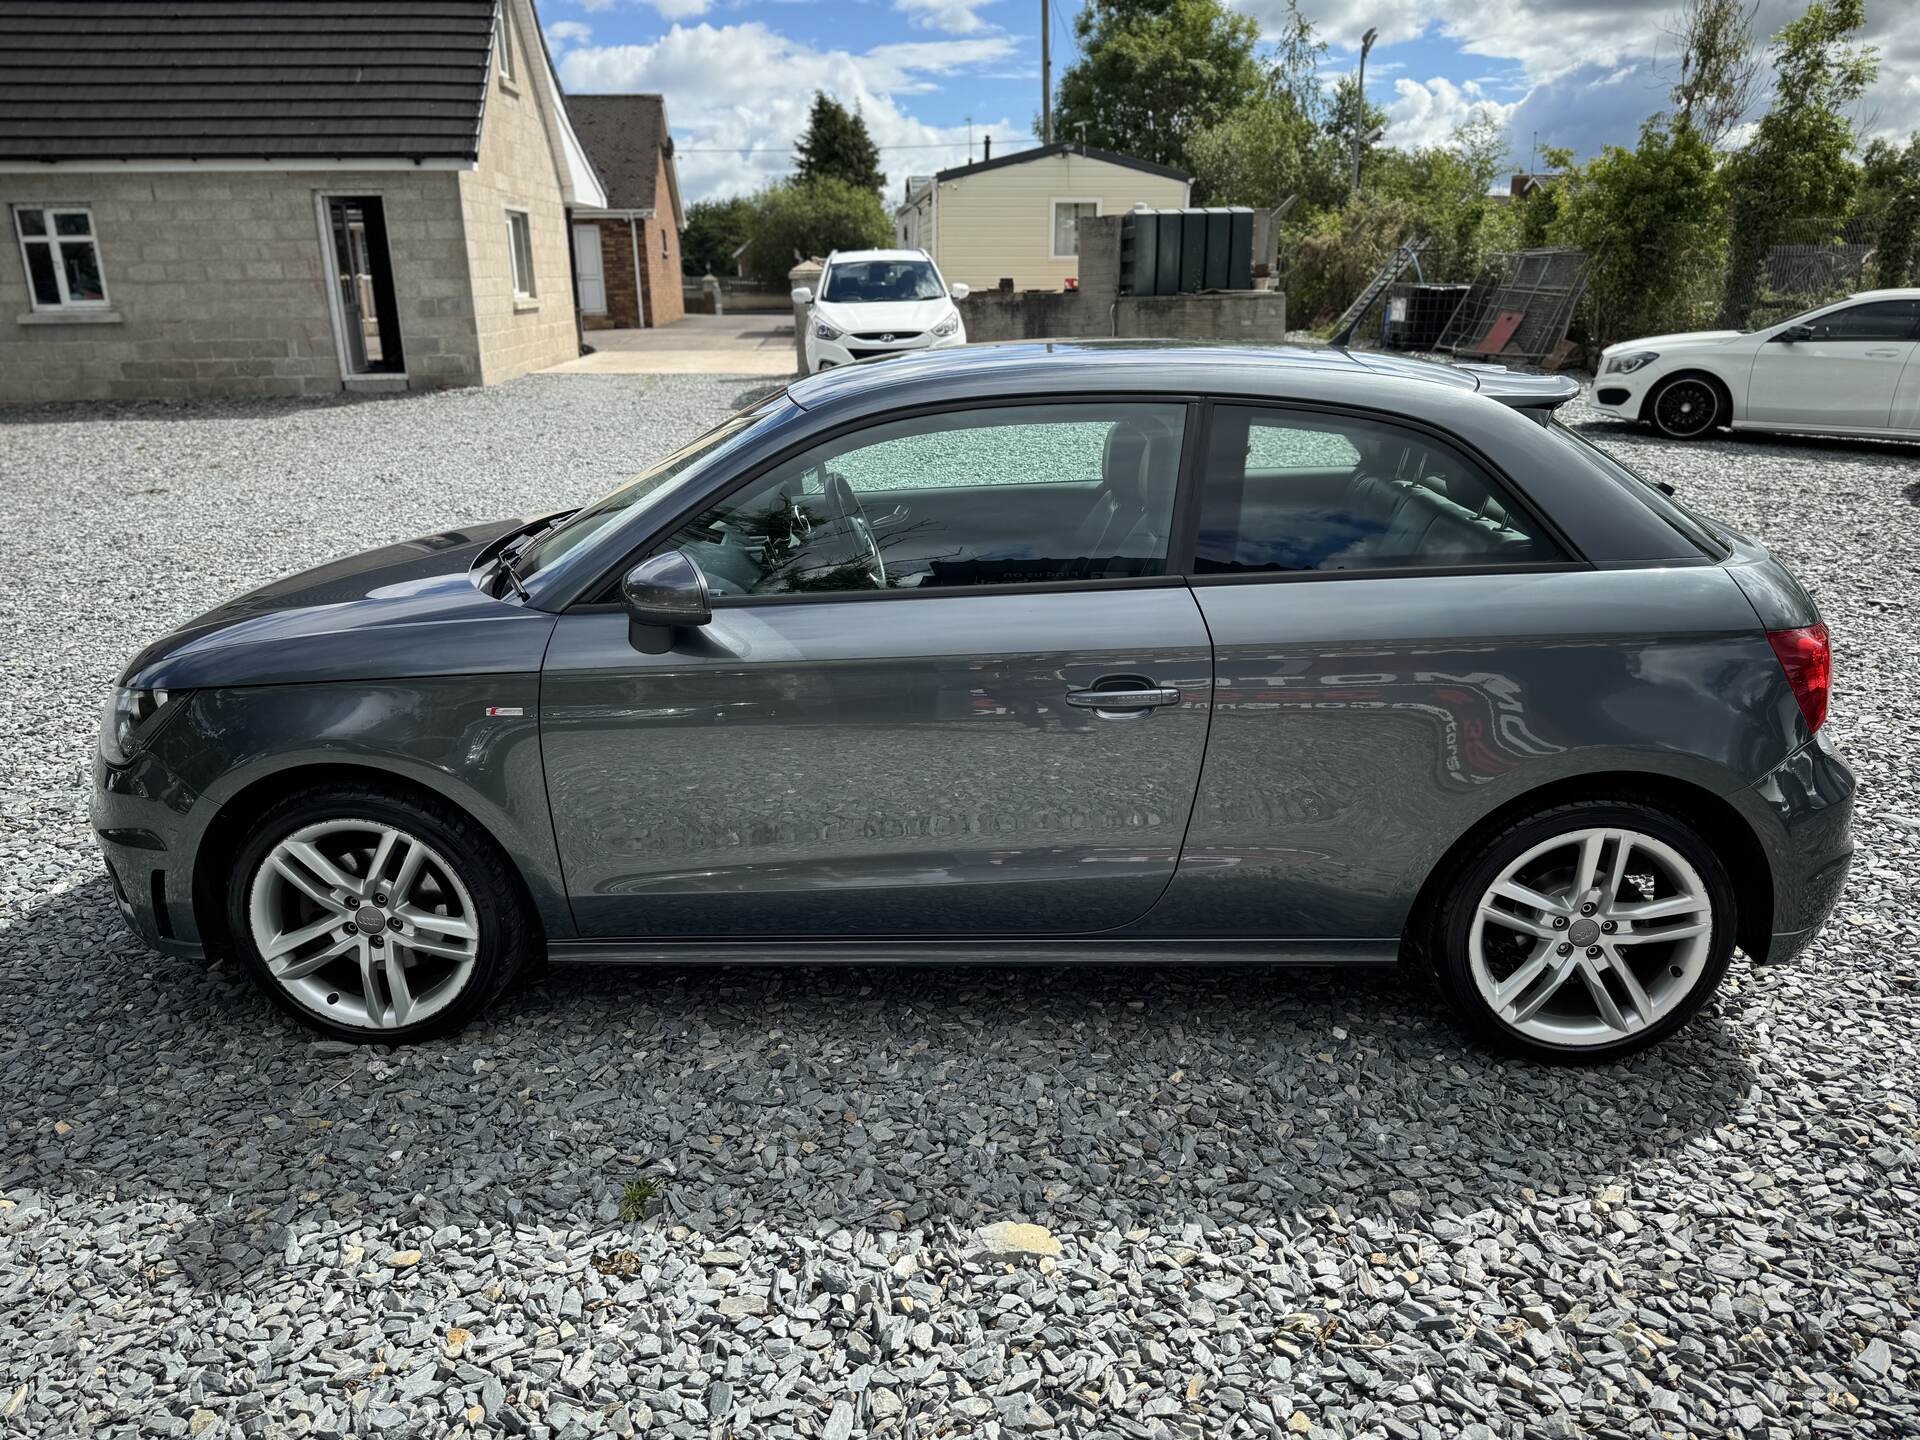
859 281
591 520
1698 531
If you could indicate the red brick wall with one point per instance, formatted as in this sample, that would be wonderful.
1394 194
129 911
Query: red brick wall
616 263
660 257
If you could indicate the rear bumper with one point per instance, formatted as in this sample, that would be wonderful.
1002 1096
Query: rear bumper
1803 813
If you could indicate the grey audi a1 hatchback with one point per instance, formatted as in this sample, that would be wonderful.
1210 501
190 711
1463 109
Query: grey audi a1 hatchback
1031 652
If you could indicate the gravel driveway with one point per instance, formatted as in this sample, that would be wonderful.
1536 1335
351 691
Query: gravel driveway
1274 1203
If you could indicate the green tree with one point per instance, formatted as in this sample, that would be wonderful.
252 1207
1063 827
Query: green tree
1151 73
715 229
837 146
1349 114
1798 164
800 219
1263 152
1719 66
1652 222
1889 203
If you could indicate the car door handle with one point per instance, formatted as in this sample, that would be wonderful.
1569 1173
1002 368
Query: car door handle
1146 698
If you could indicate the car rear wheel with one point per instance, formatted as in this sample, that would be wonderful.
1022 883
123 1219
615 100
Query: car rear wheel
1687 407
1585 933
373 915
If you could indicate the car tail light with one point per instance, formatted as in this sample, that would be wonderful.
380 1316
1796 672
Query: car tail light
1807 658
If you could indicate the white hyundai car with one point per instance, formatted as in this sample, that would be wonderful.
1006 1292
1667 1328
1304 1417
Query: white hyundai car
879 302
1846 368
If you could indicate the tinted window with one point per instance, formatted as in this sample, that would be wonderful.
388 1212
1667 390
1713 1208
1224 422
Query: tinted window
978 497
1289 492
862 280
1879 320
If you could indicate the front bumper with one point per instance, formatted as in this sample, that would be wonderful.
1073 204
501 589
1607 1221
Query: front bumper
1803 813
849 349
137 813
1621 395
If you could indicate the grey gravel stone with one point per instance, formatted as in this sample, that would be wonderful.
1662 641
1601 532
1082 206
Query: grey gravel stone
1286 1203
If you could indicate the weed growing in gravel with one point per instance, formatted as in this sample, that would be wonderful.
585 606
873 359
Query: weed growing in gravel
634 1196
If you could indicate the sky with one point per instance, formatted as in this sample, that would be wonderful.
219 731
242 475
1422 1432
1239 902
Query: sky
935 77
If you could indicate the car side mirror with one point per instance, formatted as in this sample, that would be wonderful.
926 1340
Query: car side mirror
664 593
1794 333
802 295
960 290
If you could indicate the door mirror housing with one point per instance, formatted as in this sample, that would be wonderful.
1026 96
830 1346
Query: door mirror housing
959 290
664 593
1794 333
802 295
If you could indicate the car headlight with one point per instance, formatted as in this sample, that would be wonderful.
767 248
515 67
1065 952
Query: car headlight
125 721
824 331
947 326
1627 364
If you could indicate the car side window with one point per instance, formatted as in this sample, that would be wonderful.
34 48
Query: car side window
1285 491
1876 320
1019 494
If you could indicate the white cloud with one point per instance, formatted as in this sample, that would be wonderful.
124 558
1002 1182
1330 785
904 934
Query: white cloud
562 33
954 17
733 137
1428 114
681 9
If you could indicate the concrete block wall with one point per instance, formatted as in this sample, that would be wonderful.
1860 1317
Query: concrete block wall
516 171
217 285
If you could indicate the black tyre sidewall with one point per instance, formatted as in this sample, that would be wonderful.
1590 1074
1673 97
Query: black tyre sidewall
1461 898
506 932
1719 409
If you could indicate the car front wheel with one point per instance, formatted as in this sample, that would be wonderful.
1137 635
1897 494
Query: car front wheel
1687 407
1585 933
373 915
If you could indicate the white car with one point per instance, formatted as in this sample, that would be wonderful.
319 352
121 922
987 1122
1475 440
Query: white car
1846 368
879 302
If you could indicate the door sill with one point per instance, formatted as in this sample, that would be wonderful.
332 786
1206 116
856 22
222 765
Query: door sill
1024 950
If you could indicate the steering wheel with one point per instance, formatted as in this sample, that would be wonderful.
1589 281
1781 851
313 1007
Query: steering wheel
847 505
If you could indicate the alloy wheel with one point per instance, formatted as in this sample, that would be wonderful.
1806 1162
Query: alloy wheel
1591 937
1687 408
363 923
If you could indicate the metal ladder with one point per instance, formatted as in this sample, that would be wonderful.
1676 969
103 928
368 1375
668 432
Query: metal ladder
1395 267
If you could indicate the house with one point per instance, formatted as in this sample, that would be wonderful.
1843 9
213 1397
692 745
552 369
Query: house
281 199
1013 216
627 253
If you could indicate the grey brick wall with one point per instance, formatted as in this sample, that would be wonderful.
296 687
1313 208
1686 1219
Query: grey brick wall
217 280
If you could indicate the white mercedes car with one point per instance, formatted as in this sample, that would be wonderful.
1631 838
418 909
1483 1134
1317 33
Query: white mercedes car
879 302
1845 368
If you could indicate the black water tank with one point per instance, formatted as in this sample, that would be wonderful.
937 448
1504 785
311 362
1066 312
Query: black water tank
1167 252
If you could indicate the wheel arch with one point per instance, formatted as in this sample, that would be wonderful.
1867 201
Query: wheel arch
1720 824
229 826
1690 372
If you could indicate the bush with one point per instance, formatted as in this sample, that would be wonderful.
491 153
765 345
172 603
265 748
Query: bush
799 219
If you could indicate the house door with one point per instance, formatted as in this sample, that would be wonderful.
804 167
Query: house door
362 270
586 265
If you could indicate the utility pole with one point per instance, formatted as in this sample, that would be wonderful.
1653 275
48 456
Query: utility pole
1360 109
1046 77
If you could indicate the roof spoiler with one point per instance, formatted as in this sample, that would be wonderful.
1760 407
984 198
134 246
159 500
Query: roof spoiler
1535 396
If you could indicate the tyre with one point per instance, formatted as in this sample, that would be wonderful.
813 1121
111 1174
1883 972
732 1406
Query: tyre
373 915
1687 407
1584 933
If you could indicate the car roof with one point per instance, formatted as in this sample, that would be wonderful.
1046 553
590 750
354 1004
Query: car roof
1064 366
840 255
1898 293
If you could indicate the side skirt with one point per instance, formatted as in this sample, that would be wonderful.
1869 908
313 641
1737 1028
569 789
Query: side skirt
812 950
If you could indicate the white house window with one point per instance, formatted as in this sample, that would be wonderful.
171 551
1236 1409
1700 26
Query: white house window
520 253
62 257
503 42
1067 215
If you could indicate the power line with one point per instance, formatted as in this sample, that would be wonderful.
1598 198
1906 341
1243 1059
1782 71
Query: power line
769 149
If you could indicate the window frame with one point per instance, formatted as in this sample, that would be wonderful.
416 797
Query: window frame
1193 481
1913 325
514 251
53 240
505 65
601 595
1054 202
